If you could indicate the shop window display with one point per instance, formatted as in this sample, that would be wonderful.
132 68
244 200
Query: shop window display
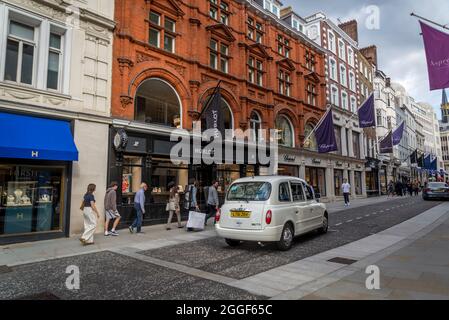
338 181
31 199
316 177
131 177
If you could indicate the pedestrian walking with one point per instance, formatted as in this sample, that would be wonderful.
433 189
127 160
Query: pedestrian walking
346 187
90 214
399 188
212 201
173 206
410 188
139 206
111 212
391 189
190 200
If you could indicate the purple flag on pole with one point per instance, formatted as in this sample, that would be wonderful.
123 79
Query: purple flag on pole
436 44
366 113
325 134
386 145
398 133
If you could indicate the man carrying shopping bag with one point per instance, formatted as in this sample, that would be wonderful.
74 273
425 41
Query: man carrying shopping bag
196 218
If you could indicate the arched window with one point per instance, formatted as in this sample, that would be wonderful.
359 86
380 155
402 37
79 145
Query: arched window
255 123
157 102
227 114
285 131
311 142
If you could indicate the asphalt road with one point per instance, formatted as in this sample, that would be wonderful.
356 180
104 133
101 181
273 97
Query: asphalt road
108 275
213 255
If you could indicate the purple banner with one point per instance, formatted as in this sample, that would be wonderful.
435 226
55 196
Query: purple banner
398 134
325 135
436 44
386 145
366 113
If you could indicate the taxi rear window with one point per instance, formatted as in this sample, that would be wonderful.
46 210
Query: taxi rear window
249 191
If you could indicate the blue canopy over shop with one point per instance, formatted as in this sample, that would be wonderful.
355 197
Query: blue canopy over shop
27 137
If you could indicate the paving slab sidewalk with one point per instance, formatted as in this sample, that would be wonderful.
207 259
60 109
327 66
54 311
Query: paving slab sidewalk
419 270
154 237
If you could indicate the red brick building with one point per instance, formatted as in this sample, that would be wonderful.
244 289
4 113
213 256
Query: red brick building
169 56
285 68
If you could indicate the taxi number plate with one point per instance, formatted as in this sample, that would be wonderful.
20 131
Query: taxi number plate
240 214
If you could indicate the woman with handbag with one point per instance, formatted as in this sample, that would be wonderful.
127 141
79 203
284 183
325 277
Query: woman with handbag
173 206
91 215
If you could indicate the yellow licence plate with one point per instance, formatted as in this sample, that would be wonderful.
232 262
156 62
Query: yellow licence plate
240 214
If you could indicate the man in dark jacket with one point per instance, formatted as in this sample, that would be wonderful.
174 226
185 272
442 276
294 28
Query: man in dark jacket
110 205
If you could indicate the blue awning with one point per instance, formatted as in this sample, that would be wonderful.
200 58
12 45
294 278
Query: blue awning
26 137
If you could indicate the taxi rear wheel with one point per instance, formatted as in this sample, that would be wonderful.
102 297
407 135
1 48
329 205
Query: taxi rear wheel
233 243
286 241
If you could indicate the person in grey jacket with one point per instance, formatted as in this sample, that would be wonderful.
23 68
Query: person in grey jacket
139 206
190 201
110 206
212 201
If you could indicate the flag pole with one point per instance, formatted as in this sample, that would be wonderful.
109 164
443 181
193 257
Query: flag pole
329 107
430 21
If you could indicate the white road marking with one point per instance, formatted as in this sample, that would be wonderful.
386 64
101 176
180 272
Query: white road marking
367 215
339 224
358 218
349 221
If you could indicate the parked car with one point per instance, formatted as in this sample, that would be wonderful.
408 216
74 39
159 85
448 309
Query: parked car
436 190
270 209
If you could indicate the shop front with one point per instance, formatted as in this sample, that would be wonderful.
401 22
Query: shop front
372 177
137 157
35 177
316 177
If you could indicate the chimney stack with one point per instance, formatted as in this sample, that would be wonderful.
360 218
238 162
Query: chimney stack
370 53
351 29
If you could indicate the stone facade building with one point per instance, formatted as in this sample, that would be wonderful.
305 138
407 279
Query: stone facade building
55 75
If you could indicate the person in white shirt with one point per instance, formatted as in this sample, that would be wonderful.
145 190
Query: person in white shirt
346 187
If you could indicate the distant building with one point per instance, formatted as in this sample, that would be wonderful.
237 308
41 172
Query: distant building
444 131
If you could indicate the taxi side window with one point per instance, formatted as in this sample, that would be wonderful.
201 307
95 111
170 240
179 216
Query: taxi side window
284 192
309 192
298 194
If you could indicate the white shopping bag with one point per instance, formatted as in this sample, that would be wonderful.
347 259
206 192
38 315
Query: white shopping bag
196 220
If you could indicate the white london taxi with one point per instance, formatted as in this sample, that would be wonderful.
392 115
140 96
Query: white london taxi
270 209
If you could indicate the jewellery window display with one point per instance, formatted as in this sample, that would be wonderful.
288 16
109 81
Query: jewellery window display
19 207
166 173
31 199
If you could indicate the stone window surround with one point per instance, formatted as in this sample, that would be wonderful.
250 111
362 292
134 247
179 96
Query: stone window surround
43 27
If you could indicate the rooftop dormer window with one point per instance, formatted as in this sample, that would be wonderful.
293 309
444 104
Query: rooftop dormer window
272 7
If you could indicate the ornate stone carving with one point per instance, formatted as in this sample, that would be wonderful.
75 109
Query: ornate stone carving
243 125
142 57
180 69
195 115
125 101
124 63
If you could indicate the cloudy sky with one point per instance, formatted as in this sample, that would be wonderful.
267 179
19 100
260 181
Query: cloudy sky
399 44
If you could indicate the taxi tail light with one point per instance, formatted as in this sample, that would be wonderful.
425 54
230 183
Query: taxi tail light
218 215
269 217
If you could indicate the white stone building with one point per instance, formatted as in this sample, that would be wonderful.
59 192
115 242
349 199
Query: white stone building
425 114
55 66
